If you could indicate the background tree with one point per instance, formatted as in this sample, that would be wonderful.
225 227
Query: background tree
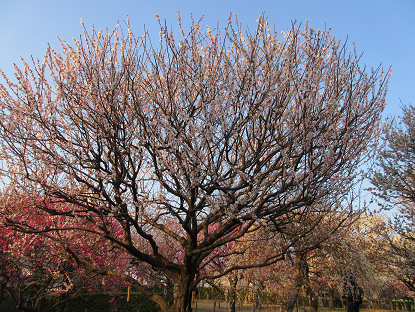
169 140
310 258
353 249
32 270
257 248
324 247
394 176
308 235
347 243
394 181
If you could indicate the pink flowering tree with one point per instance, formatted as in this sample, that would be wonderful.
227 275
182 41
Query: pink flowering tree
33 263
153 141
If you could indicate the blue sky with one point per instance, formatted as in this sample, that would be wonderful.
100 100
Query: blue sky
383 30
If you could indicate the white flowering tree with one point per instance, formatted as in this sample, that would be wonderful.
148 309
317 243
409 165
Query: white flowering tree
319 262
313 263
355 249
169 140
394 181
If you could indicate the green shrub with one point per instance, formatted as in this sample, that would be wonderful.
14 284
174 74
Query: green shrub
102 302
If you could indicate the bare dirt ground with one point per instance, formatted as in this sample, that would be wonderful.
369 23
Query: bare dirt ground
203 306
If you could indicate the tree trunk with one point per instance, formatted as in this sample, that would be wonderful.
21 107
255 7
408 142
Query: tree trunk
169 292
257 296
61 307
183 301
299 268
233 280
292 300
313 299
331 299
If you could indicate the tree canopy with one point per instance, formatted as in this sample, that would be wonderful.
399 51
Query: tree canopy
192 142
394 181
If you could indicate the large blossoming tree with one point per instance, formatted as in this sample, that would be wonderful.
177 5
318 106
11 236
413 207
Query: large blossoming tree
199 139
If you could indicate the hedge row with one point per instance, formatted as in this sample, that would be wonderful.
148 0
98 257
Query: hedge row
103 302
